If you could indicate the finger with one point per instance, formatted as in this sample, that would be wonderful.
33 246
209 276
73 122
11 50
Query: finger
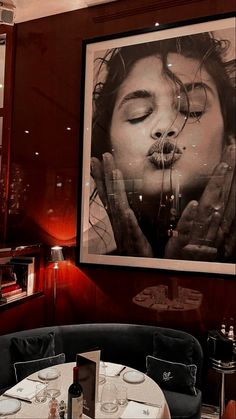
230 191
230 241
213 198
229 157
98 175
135 241
119 192
118 204
181 235
117 198
213 228
188 216
108 166
230 211
199 252
216 193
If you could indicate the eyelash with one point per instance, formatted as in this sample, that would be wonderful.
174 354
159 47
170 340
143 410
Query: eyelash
139 118
194 114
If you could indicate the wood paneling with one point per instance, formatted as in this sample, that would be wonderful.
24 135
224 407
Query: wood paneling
23 314
47 102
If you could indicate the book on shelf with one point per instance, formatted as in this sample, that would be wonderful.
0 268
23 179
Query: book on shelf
11 287
24 268
13 292
4 260
12 296
8 283
16 296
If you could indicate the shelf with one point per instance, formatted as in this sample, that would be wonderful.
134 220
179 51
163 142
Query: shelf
21 300
14 250
25 262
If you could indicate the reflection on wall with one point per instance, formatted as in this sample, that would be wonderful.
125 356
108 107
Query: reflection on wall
166 302
2 73
47 199
1 121
2 65
18 191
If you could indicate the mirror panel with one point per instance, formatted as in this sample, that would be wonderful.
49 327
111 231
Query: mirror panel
2 66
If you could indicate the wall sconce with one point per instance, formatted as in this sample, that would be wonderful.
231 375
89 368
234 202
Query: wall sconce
55 257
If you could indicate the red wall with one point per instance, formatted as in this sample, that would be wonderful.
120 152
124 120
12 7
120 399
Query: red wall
46 102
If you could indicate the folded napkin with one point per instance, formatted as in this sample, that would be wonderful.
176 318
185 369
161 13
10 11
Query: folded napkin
113 369
139 411
25 390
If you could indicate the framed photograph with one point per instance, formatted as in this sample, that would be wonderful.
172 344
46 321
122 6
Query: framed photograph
158 158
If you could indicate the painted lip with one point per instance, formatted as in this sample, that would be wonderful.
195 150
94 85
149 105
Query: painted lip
163 156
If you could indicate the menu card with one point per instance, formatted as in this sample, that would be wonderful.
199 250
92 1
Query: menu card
88 363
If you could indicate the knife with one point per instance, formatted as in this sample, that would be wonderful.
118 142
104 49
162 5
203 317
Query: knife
37 380
143 402
18 398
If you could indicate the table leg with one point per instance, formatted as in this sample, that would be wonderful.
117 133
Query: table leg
222 394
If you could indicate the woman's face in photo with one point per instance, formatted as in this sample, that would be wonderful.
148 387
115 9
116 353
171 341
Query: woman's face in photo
166 136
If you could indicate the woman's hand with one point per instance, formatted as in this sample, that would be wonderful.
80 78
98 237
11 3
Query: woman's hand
129 238
206 229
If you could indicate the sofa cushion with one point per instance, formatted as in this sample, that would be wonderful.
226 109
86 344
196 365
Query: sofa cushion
172 376
173 348
29 348
23 369
184 405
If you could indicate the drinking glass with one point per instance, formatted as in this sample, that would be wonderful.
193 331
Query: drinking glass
40 393
102 372
54 385
109 403
122 395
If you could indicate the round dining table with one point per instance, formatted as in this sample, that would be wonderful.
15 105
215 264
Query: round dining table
147 392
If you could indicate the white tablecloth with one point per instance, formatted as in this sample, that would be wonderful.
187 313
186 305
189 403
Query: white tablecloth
147 391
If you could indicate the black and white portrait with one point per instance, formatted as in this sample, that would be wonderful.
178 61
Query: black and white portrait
159 149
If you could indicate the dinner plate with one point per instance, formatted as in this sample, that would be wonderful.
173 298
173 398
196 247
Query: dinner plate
48 374
8 407
133 377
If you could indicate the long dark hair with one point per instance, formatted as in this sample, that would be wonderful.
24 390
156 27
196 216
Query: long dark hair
118 63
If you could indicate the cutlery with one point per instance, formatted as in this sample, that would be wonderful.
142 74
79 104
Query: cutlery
18 398
118 373
37 380
143 402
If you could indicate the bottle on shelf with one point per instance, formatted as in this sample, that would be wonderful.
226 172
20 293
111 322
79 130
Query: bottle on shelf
222 329
75 397
231 332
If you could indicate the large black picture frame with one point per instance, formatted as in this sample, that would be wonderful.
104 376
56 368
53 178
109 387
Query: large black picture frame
95 240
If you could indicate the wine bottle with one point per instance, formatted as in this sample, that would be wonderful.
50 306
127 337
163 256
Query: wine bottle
75 397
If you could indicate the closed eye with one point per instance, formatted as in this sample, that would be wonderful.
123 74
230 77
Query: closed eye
192 114
136 119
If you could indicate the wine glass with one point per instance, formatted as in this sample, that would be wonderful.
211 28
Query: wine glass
54 385
102 373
